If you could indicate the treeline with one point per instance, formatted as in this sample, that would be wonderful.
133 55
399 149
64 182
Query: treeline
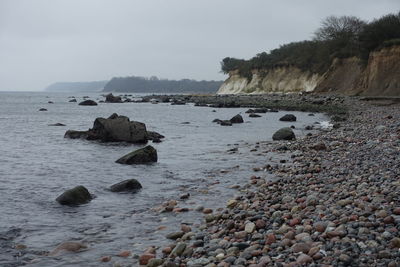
156 85
95 86
338 37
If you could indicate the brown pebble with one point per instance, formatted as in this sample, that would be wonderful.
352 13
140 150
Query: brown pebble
105 259
304 259
125 253
388 220
145 258
294 222
301 247
207 211
396 211
166 250
185 228
270 239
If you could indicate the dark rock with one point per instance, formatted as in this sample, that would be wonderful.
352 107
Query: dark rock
253 115
75 196
72 100
118 128
225 123
217 120
309 127
110 98
57 124
130 185
237 119
50 102
42 109
144 155
154 136
75 134
88 103
284 134
115 129
288 117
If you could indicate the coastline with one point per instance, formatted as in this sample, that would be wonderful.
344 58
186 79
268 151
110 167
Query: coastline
335 202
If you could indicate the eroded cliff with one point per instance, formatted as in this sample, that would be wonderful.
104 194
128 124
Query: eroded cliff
380 76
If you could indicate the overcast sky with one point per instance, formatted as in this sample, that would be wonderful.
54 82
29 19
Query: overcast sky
45 41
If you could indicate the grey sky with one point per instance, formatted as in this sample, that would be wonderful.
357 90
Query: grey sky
44 41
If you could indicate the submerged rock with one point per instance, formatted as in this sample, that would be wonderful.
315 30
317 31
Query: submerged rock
75 196
88 103
284 134
68 247
288 117
144 155
72 100
237 119
57 124
130 185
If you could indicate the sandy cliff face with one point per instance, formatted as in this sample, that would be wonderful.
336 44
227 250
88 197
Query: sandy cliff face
379 77
283 79
382 74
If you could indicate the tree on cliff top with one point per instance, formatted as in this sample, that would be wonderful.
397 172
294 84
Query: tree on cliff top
379 31
344 27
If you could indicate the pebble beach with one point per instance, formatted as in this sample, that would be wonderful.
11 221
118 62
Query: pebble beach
334 201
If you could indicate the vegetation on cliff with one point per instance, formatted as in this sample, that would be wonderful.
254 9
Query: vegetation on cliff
338 37
156 85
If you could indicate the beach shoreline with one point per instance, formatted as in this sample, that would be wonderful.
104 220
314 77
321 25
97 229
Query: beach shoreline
334 204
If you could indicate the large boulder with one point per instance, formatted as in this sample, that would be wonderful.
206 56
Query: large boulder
284 134
288 117
88 102
237 119
75 196
110 98
118 128
144 155
130 185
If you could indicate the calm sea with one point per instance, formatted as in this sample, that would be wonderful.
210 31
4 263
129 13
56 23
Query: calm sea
37 164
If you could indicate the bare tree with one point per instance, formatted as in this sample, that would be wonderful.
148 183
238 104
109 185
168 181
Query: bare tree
344 27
